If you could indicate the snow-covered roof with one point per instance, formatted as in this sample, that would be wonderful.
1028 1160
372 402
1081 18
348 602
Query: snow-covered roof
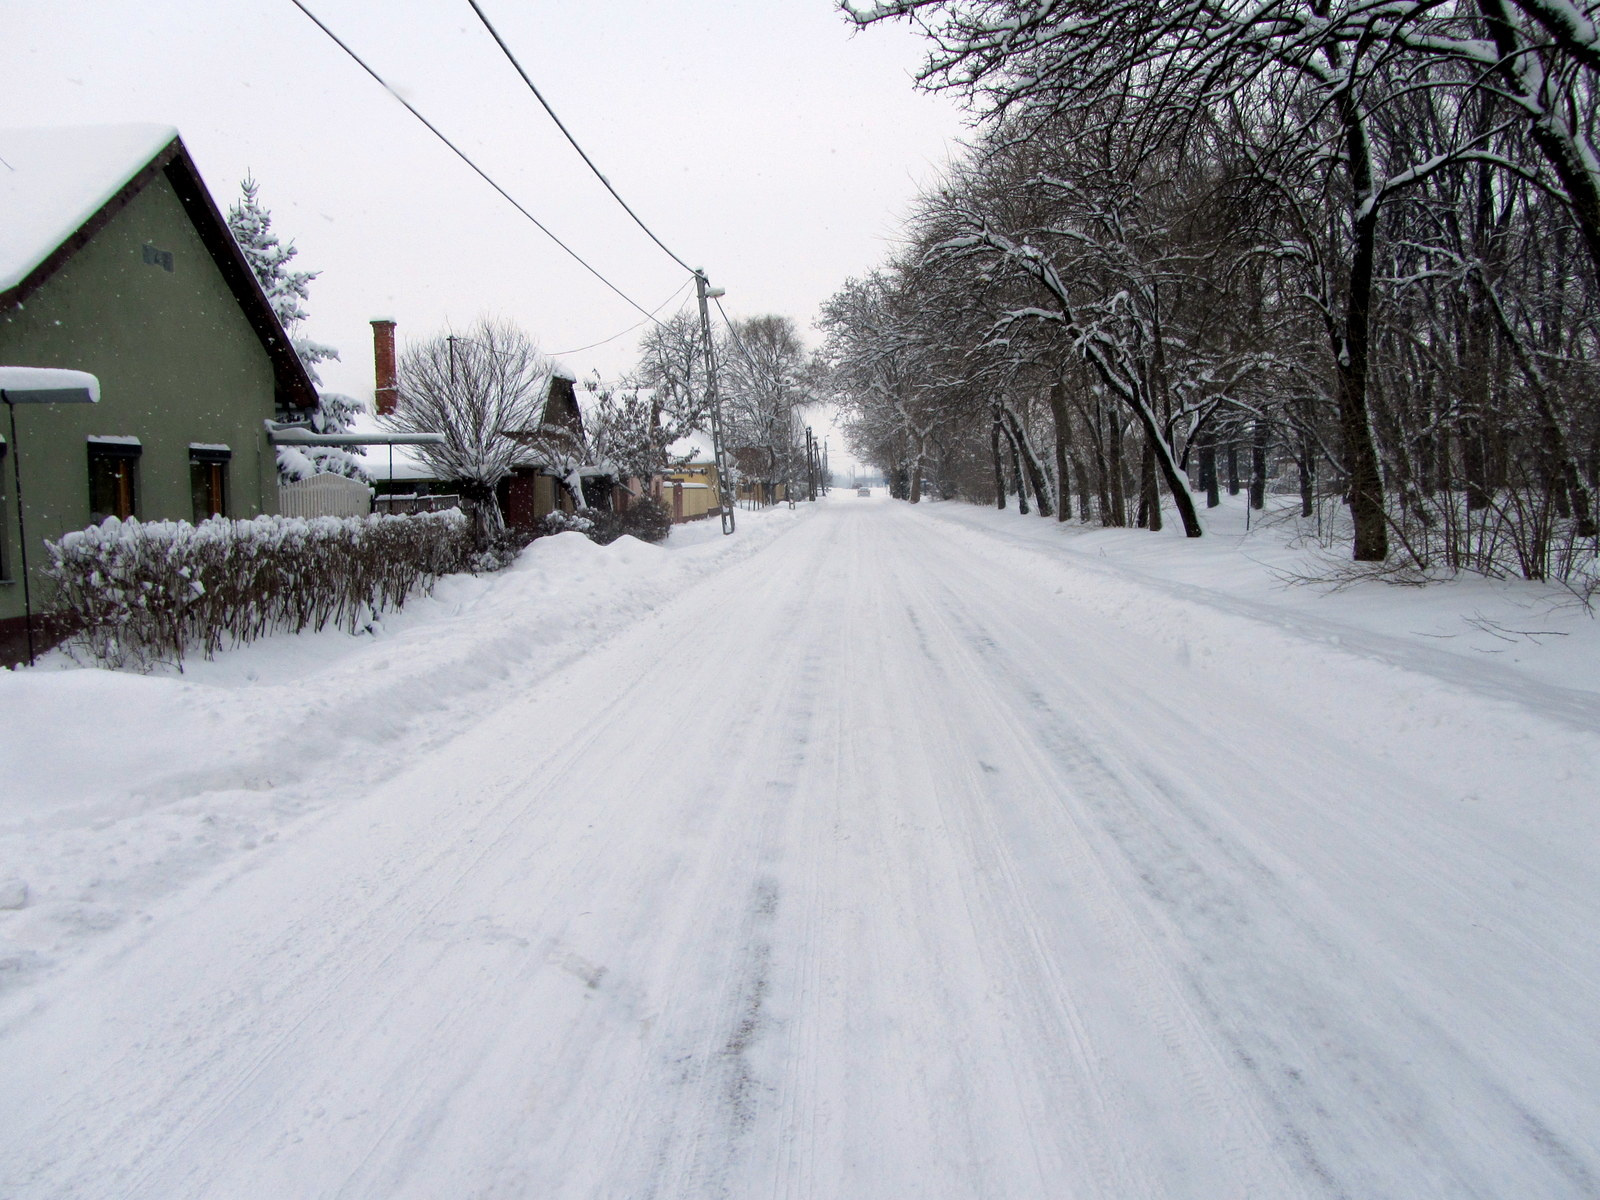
696 447
58 187
48 385
53 180
388 462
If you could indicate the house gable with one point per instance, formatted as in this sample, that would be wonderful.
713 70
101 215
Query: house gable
150 295
178 364
561 405
81 188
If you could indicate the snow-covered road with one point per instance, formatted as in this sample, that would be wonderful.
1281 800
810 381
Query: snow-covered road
880 863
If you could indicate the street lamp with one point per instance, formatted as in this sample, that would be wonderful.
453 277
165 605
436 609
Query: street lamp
38 385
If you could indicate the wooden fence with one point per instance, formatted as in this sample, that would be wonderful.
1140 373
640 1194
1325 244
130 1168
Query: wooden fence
324 496
412 502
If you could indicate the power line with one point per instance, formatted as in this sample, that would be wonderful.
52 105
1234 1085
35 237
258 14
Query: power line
484 175
734 329
630 328
539 96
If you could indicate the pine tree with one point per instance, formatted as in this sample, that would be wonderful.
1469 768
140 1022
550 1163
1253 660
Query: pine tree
287 291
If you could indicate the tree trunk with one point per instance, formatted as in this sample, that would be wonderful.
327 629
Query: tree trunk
1258 466
1177 484
483 508
1102 464
1472 358
1208 470
1063 432
1030 462
999 470
1149 490
1474 462
1351 346
1016 473
1119 486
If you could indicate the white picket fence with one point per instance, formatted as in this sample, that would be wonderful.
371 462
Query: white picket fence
324 496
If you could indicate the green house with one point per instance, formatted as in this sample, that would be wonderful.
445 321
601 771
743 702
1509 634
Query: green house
115 260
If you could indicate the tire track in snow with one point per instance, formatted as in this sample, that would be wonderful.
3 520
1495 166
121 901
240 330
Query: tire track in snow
1027 939
1229 898
391 910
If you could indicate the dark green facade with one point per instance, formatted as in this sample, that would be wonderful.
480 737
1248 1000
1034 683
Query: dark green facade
181 351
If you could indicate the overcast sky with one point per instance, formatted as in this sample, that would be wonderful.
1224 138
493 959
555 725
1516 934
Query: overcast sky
763 140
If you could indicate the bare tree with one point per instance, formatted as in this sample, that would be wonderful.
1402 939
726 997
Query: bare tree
1356 240
671 376
630 433
879 359
765 385
1329 72
475 389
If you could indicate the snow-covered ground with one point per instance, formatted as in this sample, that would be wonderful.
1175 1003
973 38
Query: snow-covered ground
875 851
118 789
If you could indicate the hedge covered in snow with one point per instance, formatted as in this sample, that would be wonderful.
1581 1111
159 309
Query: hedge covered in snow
141 593
643 519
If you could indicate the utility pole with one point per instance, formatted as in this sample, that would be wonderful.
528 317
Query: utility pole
705 291
451 340
22 526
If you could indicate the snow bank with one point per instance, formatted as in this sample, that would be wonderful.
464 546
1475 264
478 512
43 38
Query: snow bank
1484 633
121 788
1447 686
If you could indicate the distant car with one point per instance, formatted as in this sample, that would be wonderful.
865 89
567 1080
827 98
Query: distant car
863 491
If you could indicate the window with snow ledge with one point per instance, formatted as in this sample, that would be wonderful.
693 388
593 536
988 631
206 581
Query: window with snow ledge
113 478
208 479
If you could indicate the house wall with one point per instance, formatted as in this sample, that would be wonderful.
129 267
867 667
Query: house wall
700 498
688 501
177 363
527 497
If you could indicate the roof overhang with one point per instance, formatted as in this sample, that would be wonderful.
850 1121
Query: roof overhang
292 385
299 435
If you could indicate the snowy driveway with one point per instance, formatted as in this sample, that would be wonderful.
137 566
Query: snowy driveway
877 866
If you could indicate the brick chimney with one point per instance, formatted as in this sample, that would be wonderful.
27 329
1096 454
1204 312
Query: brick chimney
386 391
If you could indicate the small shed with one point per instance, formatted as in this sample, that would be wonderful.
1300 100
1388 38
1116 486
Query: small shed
532 491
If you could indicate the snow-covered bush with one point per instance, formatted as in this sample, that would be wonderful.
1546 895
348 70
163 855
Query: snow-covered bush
501 549
644 519
141 593
605 526
335 413
647 521
599 525
565 522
